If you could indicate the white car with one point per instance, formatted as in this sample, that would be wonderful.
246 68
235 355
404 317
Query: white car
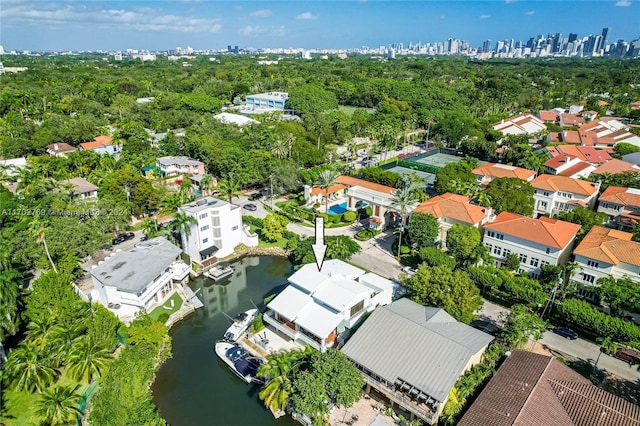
409 270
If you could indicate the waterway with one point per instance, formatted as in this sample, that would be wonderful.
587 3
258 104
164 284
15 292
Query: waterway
195 388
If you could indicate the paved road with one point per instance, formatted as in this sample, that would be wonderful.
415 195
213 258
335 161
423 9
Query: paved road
589 352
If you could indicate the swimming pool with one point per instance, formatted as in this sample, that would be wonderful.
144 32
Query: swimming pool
338 208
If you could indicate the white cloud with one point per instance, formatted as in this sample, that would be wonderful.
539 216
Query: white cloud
259 30
485 16
530 12
263 13
623 3
136 19
307 15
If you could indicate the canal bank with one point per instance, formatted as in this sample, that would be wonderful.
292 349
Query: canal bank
194 387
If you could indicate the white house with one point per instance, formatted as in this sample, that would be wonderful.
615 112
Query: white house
101 145
622 205
570 166
536 241
271 101
520 125
606 252
319 307
451 209
139 279
59 149
237 119
181 165
554 194
216 231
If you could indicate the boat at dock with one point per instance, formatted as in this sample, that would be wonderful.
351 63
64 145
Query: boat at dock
239 360
220 271
241 322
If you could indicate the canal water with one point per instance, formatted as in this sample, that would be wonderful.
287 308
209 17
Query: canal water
195 387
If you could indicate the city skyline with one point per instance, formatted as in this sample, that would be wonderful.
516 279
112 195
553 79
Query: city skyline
160 25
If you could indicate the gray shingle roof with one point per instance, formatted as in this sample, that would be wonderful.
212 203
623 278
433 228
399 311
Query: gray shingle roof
131 271
423 346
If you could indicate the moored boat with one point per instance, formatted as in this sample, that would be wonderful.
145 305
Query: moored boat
219 271
241 322
239 361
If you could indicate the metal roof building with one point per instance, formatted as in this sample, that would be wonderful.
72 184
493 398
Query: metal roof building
414 354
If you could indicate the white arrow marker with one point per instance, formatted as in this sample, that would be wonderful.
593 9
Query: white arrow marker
319 248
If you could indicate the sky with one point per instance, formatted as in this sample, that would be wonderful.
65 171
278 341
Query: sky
342 24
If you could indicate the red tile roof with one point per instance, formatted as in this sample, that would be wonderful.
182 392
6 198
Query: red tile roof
557 183
616 166
610 246
548 116
97 142
571 136
530 389
503 171
575 170
593 155
571 120
549 232
351 181
454 206
621 195
332 189
558 160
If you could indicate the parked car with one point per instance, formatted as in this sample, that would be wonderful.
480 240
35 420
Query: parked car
409 270
144 238
255 196
627 355
129 236
566 332
250 207
121 238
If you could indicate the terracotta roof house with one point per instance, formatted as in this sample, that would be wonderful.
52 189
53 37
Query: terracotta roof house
606 252
568 120
585 153
414 355
622 205
101 145
554 194
520 125
532 389
616 166
607 132
451 209
490 171
568 165
548 116
59 149
536 241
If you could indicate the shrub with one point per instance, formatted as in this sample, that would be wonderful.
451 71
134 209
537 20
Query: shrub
584 316
163 317
251 220
257 323
349 216
366 234
405 249
334 218
433 256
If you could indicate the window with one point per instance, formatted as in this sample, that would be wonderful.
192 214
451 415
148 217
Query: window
505 252
544 262
491 234
500 236
496 250
548 250
203 216
534 262
523 258
592 263
235 228
490 247
205 240
588 278
215 221
357 308
543 204
204 228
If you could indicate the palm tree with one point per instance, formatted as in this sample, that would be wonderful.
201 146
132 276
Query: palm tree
206 184
229 188
9 292
281 146
38 228
403 201
57 406
28 369
325 179
62 340
181 224
87 359
39 332
150 227
185 191
277 372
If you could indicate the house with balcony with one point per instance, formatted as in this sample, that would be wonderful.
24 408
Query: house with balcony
490 171
622 205
319 307
554 194
536 242
215 231
412 355
265 102
606 252
451 209
139 279
172 166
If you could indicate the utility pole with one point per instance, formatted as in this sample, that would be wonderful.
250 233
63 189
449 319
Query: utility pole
271 184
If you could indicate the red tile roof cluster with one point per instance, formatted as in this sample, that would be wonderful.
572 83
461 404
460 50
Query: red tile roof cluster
503 171
549 232
530 389
454 206
585 153
555 183
621 195
610 246
351 181
616 166
567 120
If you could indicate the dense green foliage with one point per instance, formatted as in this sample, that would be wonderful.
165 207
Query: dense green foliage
449 178
521 325
423 230
585 317
433 256
511 195
505 285
338 247
464 244
620 295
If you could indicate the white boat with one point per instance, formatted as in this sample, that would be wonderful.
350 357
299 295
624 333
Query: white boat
219 271
238 360
241 322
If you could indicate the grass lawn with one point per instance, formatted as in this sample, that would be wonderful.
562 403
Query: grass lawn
351 109
282 242
177 302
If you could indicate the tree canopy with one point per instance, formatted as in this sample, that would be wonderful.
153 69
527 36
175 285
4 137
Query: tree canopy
511 195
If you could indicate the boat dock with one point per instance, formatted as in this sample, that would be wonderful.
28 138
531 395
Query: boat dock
193 298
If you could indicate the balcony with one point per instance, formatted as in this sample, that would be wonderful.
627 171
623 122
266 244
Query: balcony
287 327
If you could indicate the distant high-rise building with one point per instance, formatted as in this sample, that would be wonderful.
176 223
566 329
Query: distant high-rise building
605 38
572 37
486 46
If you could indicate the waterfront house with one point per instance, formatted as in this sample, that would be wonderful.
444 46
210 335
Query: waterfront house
622 205
554 194
139 279
412 355
536 242
215 231
605 252
319 307
534 389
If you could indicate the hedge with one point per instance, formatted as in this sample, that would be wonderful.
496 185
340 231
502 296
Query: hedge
582 315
